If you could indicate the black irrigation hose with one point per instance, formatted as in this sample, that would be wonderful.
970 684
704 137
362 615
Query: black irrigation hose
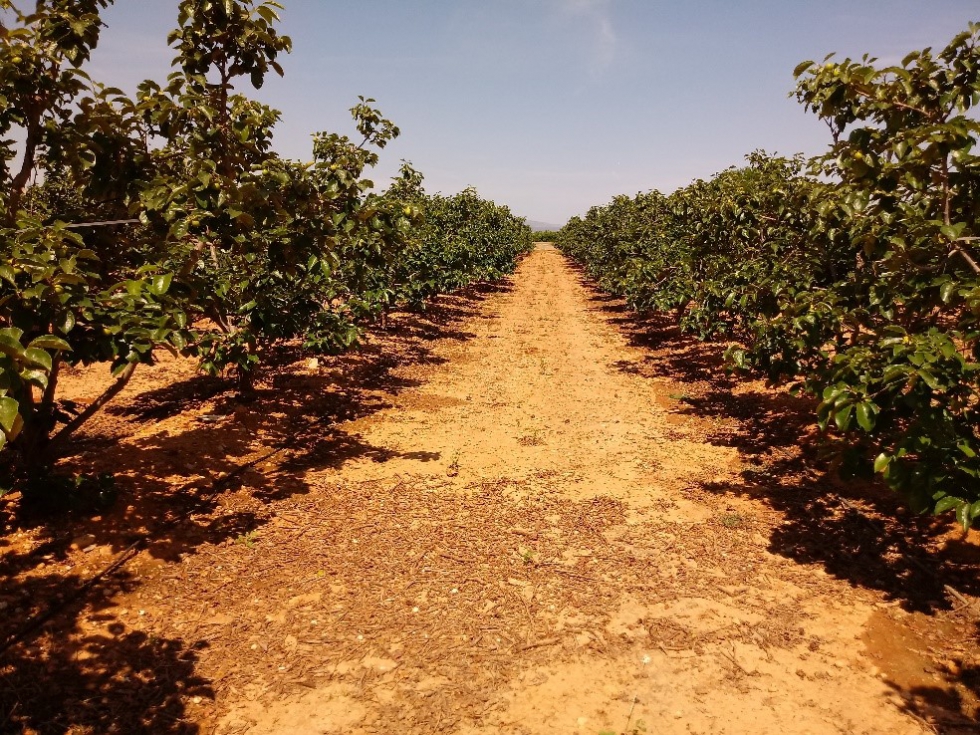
37 621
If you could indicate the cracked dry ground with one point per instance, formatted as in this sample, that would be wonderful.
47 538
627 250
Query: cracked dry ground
531 534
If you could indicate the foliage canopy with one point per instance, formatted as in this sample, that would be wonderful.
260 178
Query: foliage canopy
854 276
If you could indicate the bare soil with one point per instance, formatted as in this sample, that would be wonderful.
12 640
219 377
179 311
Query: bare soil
523 510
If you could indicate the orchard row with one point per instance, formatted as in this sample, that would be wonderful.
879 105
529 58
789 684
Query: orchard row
221 249
852 277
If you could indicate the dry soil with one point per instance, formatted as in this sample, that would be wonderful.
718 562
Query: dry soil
521 512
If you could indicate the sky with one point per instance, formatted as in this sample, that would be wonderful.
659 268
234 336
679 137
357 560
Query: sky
554 106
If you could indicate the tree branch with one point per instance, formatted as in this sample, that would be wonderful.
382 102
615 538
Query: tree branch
19 183
967 257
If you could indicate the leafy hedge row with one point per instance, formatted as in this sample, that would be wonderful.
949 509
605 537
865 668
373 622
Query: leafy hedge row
545 235
853 277
221 249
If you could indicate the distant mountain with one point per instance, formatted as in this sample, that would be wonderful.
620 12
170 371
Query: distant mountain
541 226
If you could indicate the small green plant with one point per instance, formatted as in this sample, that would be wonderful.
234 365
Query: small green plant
526 554
247 539
732 520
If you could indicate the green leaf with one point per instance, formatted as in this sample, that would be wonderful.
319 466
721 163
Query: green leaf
953 231
119 369
802 67
882 461
51 342
10 346
947 503
9 410
843 418
830 393
975 510
267 13
161 284
865 413
38 358
35 377
929 379
963 515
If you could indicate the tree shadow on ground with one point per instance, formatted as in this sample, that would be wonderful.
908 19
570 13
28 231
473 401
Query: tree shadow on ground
171 479
857 530
171 400
89 671
291 420
674 353
943 692
952 710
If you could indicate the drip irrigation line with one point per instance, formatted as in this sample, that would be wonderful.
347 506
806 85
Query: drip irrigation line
105 223
102 224
38 621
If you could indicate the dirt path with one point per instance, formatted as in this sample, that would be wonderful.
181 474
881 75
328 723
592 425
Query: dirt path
522 527
518 548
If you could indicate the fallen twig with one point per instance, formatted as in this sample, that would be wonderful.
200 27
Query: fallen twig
539 644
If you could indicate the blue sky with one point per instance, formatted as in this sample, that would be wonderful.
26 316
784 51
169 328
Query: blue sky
552 106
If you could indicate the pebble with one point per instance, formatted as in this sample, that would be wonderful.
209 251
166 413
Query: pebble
85 541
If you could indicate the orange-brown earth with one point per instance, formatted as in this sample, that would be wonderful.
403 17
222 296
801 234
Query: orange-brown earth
521 511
